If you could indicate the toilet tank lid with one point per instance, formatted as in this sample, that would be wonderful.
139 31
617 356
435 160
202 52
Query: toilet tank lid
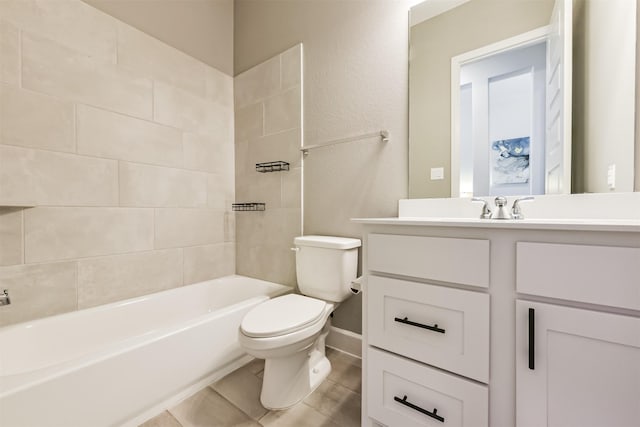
330 242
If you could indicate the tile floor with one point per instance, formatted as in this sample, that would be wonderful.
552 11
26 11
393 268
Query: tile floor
234 401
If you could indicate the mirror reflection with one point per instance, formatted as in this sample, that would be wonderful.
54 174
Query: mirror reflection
521 97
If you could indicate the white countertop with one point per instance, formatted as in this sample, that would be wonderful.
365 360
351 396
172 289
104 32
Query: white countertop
619 225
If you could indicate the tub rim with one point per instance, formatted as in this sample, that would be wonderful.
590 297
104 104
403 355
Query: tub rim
15 383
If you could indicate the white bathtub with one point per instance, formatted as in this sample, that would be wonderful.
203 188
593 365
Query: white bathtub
120 363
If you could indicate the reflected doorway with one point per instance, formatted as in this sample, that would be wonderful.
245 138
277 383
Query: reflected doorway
502 123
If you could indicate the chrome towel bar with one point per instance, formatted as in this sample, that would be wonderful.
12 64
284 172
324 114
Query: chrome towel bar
382 134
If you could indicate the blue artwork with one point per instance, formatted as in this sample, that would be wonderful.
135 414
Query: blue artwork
510 161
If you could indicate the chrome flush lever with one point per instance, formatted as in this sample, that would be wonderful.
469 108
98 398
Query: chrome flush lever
486 212
4 298
516 213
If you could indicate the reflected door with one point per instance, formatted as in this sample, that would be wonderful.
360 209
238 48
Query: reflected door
558 110
502 123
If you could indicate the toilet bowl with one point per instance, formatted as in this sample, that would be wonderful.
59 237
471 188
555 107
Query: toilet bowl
289 332
293 347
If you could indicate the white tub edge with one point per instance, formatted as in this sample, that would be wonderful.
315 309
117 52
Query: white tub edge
187 392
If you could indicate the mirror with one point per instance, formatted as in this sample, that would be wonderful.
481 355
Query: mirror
514 97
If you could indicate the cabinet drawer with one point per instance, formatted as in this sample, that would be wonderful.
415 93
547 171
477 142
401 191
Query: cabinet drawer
464 261
457 401
402 318
594 274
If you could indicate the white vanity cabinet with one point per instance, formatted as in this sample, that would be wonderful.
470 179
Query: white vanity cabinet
576 367
565 299
429 344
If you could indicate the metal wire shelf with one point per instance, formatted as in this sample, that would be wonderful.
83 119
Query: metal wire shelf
246 207
272 166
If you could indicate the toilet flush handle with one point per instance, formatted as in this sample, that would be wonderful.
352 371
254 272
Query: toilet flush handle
295 249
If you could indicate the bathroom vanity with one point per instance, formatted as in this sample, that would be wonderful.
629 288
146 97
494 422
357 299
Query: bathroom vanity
470 322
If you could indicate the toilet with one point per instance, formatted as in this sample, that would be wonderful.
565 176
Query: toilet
289 331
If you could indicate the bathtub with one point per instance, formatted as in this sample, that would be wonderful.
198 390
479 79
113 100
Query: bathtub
121 363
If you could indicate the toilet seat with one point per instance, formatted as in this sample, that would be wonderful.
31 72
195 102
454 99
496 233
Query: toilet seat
282 315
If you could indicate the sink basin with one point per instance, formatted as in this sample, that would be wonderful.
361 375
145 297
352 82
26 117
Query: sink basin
579 208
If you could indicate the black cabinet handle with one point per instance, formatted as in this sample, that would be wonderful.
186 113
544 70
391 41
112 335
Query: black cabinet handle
420 325
532 336
433 414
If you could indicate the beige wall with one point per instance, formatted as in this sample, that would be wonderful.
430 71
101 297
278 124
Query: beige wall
604 97
355 82
125 147
268 102
433 43
637 105
200 28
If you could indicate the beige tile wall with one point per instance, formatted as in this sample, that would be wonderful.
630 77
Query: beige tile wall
124 145
268 121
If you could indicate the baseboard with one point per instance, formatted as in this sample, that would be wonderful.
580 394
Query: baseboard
346 341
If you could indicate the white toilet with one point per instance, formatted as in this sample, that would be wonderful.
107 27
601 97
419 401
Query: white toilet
289 331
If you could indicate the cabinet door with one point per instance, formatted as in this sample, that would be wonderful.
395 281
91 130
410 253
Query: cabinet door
576 367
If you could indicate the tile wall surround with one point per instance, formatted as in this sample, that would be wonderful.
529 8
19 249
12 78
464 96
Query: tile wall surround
268 127
126 148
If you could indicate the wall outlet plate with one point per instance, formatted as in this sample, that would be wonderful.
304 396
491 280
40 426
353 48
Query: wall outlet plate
611 176
437 174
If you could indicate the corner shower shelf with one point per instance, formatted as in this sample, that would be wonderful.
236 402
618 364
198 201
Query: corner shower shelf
245 207
272 166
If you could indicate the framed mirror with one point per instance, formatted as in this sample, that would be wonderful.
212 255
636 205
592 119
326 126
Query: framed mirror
515 97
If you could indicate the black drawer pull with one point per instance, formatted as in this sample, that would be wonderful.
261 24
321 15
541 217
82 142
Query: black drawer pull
433 414
532 339
433 328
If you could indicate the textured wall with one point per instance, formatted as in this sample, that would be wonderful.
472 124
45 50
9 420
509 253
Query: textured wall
268 100
355 81
200 28
125 146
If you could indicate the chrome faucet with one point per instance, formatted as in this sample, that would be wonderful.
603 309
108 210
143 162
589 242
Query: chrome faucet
4 298
486 212
501 209
516 213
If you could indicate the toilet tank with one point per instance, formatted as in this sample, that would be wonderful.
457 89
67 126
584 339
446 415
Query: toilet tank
326 265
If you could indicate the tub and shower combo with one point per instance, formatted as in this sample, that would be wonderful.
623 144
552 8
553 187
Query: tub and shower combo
121 363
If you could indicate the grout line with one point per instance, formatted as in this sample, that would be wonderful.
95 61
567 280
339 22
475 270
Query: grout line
77 285
153 224
153 100
144 251
214 210
118 183
24 238
168 411
182 264
75 126
89 156
21 60
279 132
264 119
280 71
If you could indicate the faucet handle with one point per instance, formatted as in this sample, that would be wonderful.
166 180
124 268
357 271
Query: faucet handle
486 212
516 212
